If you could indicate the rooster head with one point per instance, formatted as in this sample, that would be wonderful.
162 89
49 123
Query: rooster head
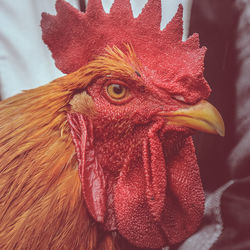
141 97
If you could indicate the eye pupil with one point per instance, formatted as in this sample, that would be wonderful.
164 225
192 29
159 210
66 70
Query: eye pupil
117 88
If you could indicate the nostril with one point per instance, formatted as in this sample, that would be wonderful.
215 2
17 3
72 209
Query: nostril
179 98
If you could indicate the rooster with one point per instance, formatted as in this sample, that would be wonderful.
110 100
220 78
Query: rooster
102 158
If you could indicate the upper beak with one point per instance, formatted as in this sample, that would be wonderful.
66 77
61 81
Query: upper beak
203 116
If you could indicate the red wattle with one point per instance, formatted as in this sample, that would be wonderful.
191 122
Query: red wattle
185 196
155 172
134 219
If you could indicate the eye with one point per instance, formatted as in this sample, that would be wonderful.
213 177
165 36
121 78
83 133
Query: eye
117 91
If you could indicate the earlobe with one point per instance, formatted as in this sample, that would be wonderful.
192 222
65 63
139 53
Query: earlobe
83 103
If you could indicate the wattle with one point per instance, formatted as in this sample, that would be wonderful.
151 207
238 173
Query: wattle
155 200
169 207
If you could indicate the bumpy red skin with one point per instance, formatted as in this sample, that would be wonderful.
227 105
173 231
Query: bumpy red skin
153 194
139 176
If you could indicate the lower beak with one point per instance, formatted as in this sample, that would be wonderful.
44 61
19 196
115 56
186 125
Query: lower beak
203 116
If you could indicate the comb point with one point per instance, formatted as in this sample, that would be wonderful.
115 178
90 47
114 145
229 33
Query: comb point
174 29
94 6
193 41
151 14
122 8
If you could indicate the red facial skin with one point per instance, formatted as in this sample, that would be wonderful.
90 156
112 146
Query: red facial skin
146 179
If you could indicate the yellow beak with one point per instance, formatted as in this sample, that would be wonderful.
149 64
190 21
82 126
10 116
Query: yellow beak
203 116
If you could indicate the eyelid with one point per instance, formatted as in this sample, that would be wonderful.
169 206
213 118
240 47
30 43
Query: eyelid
115 81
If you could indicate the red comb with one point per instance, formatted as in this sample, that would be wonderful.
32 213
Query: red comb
75 37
